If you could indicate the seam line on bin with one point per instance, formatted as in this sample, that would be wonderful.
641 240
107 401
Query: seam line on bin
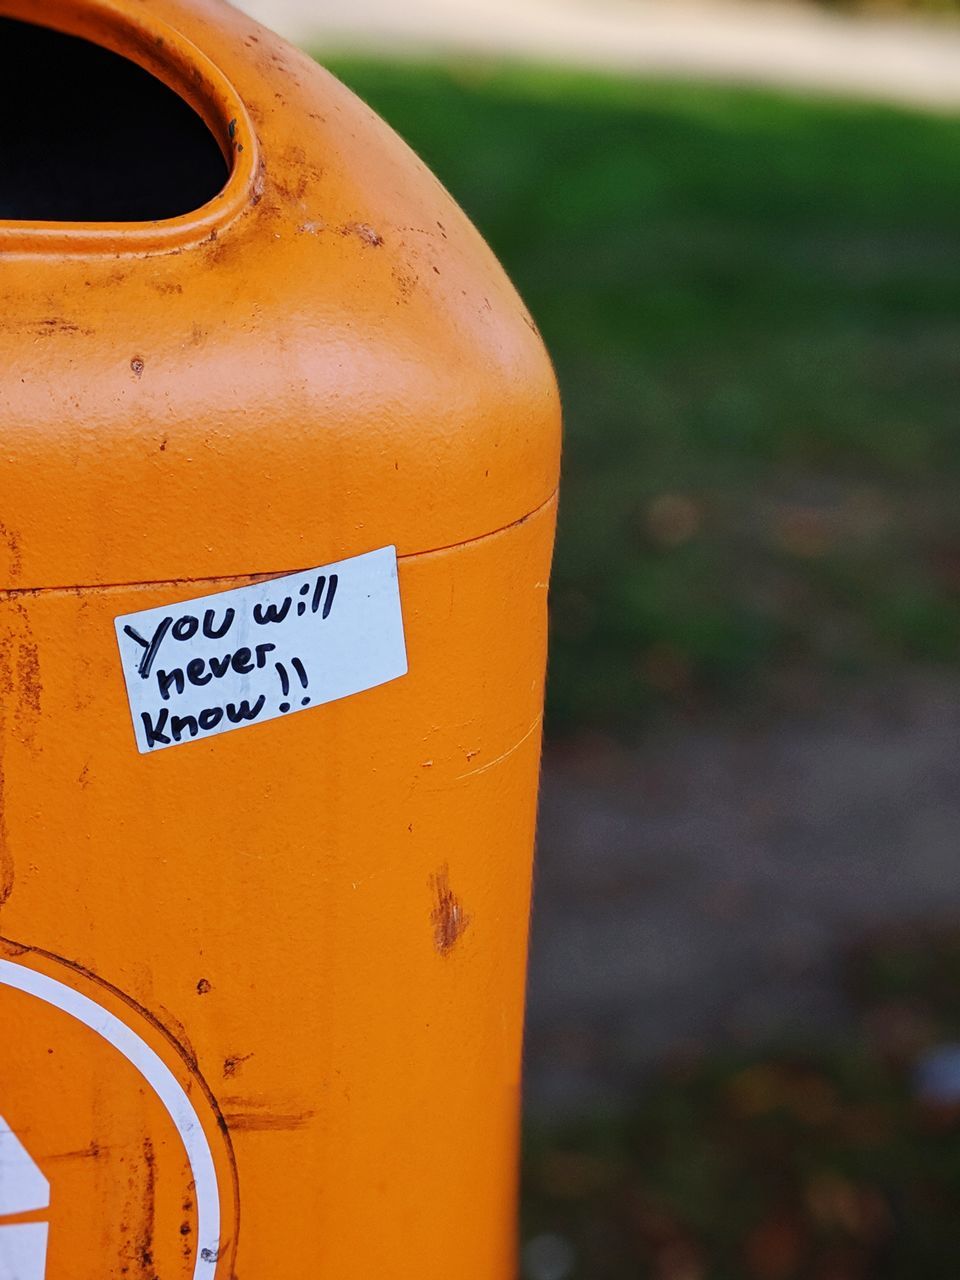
11 593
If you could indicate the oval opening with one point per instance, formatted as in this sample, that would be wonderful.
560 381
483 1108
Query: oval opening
88 136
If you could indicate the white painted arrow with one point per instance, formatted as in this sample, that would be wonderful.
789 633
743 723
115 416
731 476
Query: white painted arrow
23 1189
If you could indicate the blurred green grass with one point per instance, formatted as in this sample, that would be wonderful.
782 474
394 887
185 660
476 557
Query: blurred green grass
822 1165
753 303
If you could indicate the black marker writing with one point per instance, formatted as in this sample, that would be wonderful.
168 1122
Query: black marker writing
301 671
163 729
195 668
213 633
184 628
284 679
244 711
243 661
318 594
150 646
263 614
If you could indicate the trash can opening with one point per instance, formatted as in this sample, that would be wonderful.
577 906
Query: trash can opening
88 136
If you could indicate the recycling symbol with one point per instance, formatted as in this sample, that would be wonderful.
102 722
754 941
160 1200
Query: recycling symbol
112 1160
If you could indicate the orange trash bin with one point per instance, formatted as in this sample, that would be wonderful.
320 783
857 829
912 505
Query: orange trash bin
278 463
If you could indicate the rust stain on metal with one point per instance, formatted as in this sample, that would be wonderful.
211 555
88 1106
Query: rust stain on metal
149 1206
15 561
6 857
20 684
20 692
259 182
448 916
364 233
28 678
94 1151
178 1034
407 282
51 325
253 1121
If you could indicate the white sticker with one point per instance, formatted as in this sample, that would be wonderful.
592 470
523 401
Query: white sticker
240 657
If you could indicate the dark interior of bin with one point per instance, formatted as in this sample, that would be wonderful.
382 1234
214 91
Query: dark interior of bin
87 136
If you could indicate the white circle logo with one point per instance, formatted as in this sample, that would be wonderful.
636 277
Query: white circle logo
25 1185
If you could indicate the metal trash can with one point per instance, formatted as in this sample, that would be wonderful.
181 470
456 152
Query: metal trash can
278 464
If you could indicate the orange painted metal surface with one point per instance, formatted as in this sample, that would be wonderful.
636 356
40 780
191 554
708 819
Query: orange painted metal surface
261 994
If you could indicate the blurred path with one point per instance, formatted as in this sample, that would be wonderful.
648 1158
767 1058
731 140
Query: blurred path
788 44
701 890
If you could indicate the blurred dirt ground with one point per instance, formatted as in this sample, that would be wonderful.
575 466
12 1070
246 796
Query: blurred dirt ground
700 891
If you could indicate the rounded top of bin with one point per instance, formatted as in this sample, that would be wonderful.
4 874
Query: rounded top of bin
323 359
